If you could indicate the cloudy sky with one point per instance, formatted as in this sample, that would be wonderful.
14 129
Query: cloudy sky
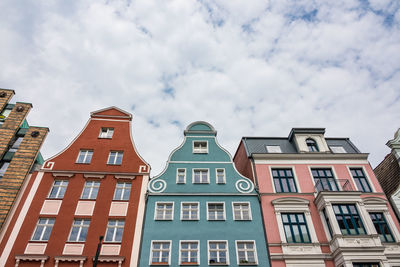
250 68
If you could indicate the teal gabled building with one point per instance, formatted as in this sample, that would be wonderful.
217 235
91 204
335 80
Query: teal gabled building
200 210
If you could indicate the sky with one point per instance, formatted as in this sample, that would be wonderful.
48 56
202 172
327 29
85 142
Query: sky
250 68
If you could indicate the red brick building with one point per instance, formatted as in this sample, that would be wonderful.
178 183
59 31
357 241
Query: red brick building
95 187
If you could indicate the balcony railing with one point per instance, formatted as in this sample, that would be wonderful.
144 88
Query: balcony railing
332 185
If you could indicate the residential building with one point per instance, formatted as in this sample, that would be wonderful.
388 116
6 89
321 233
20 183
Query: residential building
388 173
94 187
19 151
322 204
200 210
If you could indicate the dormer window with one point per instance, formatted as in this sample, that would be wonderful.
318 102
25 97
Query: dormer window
337 149
106 133
312 145
273 149
200 147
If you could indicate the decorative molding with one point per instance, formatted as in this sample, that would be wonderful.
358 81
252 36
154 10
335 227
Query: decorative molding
51 206
35 248
85 208
94 175
110 249
157 185
73 249
131 177
244 186
118 259
63 174
291 201
42 259
80 259
48 165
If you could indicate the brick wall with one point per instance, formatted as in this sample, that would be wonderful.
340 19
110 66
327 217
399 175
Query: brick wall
388 174
19 168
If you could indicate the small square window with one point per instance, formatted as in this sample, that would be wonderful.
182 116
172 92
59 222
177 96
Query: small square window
122 191
216 211
200 176
58 189
79 230
84 156
200 147
160 252
241 211
189 253
189 211
115 229
220 176
246 252
337 149
274 149
90 190
164 211
218 253
115 157
106 133
181 176
43 229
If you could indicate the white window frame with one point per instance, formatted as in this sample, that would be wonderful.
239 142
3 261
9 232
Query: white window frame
366 176
58 189
233 211
92 185
199 150
109 132
115 158
237 252
198 211
294 175
164 219
198 251
177 175
45 225
340 151
115 227
216 175
151 251
293 205
124 188
273 148
201 169
227 251
215 202
86 151
81 225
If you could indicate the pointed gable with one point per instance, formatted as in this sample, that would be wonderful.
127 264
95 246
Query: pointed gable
111 113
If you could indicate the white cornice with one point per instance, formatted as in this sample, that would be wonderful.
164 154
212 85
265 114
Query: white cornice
311 156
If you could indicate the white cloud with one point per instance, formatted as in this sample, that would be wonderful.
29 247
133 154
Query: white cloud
255 68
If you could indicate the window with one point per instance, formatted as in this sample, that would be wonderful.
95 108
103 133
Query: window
218 252
215 211
115 228
16 143
190 211
360 180
106 132
79 230
200 177
115 157
160 252
189 252
284 180
241 211
181 176
348 219
220 176
58 189
84 156
4 114
366 264
246 252
164 211
3 167
43 229
337 149
312 145
324 180
381 226
90 190
296 229
122 191
200 147
274 149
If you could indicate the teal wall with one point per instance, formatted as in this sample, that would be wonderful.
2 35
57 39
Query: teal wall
164 188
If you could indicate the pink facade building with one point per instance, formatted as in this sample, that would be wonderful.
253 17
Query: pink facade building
321 202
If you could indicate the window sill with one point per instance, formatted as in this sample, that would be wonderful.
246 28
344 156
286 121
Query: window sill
190 219
84 163
75 242
110 164
216 263
159 263
189 263
248 263
38 241
112 242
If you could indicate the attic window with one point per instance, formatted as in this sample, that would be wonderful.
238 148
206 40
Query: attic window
106 133
274 149
337 149
312 145
200 147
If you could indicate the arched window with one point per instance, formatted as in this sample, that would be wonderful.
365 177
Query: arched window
312 145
